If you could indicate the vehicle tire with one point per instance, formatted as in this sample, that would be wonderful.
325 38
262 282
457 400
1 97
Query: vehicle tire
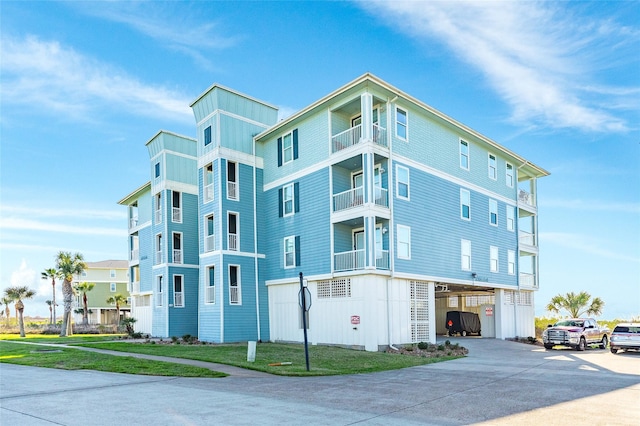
479 333
548 346
582 345
605 342
463 333
614 351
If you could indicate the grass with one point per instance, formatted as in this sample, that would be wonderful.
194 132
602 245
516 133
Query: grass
74 359
323 360
53 338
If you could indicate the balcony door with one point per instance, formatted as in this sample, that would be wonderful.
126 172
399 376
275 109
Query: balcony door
359 249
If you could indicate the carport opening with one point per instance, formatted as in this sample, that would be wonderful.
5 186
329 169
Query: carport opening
466 299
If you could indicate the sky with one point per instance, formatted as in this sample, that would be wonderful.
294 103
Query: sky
84 85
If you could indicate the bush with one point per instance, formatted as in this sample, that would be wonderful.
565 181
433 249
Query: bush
423 345
174 339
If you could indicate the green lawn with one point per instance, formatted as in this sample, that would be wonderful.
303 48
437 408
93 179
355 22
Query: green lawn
53 338
323 360
74 359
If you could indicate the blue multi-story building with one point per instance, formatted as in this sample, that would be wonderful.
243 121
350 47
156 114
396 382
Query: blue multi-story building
394 212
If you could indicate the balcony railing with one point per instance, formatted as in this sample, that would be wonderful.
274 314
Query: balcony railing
210 294
208 193
526 198
133 222
135 254
232 190
348 199
135 287
379 135
526 238
527 280
176 214
234 295
233 242
158 257
178 300
177 256
158 216
347 138
382 259
381 196
349 260
209 243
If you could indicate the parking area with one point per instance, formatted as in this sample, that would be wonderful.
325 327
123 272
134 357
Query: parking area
500 382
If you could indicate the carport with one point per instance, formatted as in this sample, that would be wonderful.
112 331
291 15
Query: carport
458 297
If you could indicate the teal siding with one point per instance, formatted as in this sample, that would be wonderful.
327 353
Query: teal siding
211 207
243 206
238 134
181 169
235 103
188 228
240 321
184 320
145 240
209 314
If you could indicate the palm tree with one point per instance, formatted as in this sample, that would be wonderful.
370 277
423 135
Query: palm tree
84 288
576 304
53 274
50 303
16 294
117 299
5 301
68 265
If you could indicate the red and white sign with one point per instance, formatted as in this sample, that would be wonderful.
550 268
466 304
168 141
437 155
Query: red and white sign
355 319
488 311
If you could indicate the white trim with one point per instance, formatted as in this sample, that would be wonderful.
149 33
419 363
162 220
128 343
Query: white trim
396 123
408 197
465 244
466 191
284 160
511 255
181 292
284 240
460 143
236 182
508 177
237 234
164 152
218 153
491 259
207 284
511 209
489 168
206 230
492 211
159 295
398 227
293 200
238 285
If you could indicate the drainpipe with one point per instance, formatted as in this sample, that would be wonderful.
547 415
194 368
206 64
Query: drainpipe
391 230
255 240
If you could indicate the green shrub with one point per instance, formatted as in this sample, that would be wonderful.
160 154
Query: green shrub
423 345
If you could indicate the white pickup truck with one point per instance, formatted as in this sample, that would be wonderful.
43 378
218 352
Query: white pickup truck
575 332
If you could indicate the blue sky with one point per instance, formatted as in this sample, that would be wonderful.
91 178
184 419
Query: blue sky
83 86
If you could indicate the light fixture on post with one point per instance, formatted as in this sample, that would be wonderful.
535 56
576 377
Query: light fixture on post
384 230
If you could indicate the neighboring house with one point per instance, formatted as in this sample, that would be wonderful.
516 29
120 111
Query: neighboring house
110 277
394 212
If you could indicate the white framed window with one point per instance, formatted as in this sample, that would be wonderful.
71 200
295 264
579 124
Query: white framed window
287 148
452 301
177 248
233 228
112 287
159 290
402 182
493 259
235 289
404 241
207 135
511 221
465 255
112 273
401 123
178 294
511 262
464 154
210 285
287 200
290 252
493 167
176 206
158 258
208 183
233 192
465 204
158 207
157 170
509 175
209 233
493 212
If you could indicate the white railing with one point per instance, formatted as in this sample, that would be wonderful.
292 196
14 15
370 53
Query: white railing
379 135
158 216
177 256
346 139
234 295
209 243
349 260
178 300
233 242
176 214
210 294
527 280
382 259
526 198
526 238
232 190
133 222
208 193
135 254
348 199
381 196
135 287
158 257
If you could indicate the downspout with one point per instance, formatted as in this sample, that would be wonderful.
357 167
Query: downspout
255 240
391 232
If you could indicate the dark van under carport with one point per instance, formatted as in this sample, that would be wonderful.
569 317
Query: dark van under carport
463 323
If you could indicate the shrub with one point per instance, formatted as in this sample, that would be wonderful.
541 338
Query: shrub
174 339
423 345
441 347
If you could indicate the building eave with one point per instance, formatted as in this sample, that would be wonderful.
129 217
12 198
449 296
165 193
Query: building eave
135 194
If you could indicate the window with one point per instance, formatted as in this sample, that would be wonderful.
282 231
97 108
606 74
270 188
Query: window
465 250
401 123
452 301
465 204
157 170
232 232
493 259
209 237
210 286
511 262
493 167
404 242
464 154
291 252
158 249
178 295
510 218
112 273
235 296
177 247
337 288
159 290
288 147
158 207
509 175
493 212
288 197
402 182
208 183
176 203
112 287
207 136
232 182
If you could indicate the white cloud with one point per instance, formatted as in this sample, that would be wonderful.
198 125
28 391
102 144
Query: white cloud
24 276
48 75
46 226
540 59
583 244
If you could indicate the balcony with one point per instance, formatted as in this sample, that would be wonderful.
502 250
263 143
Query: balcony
526 198
382 196
348 199
158 216
135 255
133 222
135 287
208 193
234 295
209 243
349 260
353 136
527 280
176 214
210 294
233 242
178 300
232 190
382 259
177 256
158 257
526 238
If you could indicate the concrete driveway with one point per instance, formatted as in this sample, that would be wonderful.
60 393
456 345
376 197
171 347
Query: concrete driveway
499 382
